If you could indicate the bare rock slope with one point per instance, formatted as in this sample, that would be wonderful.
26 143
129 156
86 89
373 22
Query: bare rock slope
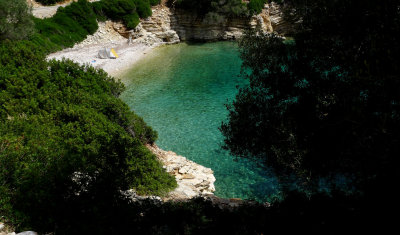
193 179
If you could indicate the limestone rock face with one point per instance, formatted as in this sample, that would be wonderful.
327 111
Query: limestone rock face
5 230
104 34
120 28
263 20
193 179
275 13
156 29
190 26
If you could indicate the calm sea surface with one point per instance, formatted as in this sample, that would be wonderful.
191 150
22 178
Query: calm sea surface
180 90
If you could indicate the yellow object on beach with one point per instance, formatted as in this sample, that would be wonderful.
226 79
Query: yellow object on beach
114 53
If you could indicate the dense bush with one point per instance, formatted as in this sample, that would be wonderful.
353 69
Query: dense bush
49 2
127 11
15 20
65 134
223 8
143 8
154 2
71 24
203 7
325 105
298 214
255 6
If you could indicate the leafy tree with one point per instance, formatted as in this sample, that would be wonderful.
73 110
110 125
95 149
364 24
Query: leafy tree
325 104
223 8
15 20
72 24
49 2
237 8
255 6
66 136
128 11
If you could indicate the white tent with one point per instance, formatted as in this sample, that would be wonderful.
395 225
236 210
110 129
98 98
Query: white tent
107 53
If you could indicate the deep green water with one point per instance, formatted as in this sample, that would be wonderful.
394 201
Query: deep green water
180 90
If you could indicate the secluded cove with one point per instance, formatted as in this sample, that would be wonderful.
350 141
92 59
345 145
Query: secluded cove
180 90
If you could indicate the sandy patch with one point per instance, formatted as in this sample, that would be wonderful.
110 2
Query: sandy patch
86 52
40 11
128 55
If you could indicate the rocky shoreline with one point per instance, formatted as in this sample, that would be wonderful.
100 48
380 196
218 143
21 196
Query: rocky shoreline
193 180
166 26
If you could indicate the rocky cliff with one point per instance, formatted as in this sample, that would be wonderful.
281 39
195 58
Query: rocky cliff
167 26
275 15
191 26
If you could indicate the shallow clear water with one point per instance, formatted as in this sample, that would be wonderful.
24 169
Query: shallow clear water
180 90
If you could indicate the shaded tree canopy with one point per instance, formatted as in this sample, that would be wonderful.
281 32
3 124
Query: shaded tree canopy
65 136
49 2
326 103
222 8
15 19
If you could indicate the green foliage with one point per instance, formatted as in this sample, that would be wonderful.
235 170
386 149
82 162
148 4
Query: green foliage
319 214
49 2
65 135
132 20
223 8
72 24
143 8
69 25
154 2
128 11
201 6
226 8
326 103
255 6
15 20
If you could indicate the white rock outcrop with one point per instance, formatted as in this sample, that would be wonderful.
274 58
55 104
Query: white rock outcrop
156 29
193 179
104 34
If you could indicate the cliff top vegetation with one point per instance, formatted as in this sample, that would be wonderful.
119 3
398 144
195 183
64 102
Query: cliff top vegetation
238 8
65 136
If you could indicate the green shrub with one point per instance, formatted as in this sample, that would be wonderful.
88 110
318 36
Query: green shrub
60 121
131 21
82 13
49 2
201 6
222 8
143 8
127 11
256 6
72 24
69 25
15 20
154 2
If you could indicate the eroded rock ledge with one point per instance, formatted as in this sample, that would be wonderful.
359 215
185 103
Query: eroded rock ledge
168 26
190 26
193 180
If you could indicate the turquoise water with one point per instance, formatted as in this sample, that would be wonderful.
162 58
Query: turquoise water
180 90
